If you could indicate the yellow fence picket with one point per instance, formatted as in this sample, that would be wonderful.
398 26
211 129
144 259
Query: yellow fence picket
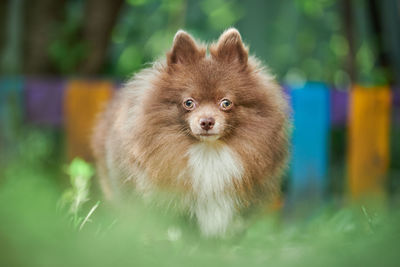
84 99
368 145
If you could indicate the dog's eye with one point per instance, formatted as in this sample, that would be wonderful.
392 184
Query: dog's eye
189 104
226 104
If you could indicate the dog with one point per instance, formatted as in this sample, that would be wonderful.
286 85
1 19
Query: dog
210 128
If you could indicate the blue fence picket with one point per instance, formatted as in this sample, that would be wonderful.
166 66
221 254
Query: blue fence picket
311 117
11 107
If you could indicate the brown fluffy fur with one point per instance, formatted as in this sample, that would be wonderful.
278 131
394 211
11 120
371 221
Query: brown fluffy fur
144 130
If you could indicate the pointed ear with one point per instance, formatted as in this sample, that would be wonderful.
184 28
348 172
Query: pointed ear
184 50
230 48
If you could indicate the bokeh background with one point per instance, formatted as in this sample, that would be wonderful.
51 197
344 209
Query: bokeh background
337 60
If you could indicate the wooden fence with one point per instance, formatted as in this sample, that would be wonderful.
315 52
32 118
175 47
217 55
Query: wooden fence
365 113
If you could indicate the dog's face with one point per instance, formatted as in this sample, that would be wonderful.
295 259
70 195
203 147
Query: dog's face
208 104
208 120
208 95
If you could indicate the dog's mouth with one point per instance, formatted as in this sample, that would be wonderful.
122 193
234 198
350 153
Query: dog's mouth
208 137
207 134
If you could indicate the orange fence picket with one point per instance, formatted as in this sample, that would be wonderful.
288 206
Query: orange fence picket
83 101
368 139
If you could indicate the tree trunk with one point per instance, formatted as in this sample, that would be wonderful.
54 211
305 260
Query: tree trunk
41 19
383 58
99 20
11 58
348 19
3 23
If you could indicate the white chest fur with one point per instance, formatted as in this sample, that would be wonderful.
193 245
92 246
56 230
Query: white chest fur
214 169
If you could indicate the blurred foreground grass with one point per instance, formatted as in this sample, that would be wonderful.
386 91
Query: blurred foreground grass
35 229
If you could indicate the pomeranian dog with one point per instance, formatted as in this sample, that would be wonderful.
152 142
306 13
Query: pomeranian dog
212 128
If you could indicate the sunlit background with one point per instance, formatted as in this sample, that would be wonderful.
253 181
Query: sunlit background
338 62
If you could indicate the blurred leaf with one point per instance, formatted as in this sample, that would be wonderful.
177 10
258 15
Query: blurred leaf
138 2
306 41
80 173
67 49
129 61
172 6
295 77
365 58
314 8
80 169
221 13
160 42
339 45
341 79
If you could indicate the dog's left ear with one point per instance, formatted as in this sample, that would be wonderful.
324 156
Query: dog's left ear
230 48
184 50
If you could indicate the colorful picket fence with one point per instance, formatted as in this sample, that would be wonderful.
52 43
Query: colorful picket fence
83 101
11 108
44 101
311 122
369 139
366 112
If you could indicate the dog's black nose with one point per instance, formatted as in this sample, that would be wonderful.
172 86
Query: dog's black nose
207 123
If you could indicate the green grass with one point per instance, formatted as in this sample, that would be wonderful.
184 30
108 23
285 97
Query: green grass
40 227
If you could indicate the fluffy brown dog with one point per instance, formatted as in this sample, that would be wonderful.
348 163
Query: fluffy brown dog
212 129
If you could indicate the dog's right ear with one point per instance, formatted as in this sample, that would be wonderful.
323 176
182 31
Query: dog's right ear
184 50
230 48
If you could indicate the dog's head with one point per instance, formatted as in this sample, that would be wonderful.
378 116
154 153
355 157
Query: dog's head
211 97
208 93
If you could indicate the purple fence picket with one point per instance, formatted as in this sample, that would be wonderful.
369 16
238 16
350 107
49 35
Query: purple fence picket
119 84
396 106
44 101
286 90
339 107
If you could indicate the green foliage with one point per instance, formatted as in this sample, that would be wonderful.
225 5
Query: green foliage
80 173
221 14
137 2
305 38
67 50
314 8
300 40
33 233
368 72
145 29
